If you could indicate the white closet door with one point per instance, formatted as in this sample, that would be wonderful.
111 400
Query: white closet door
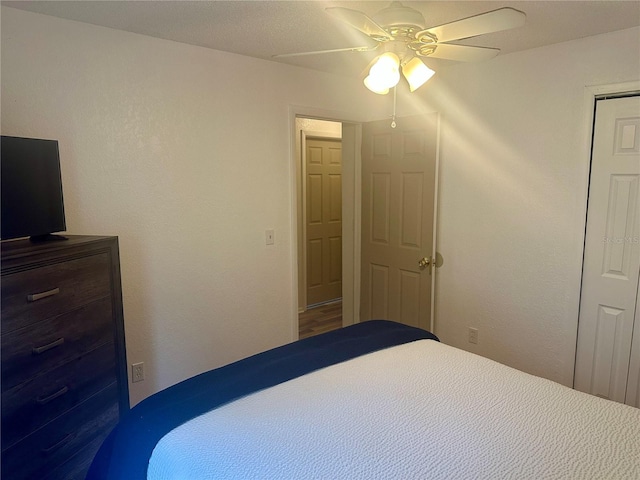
612 252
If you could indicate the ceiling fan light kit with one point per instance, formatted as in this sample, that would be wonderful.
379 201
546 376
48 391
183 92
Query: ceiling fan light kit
385 73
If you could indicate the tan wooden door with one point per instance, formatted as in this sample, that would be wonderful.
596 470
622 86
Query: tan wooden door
398 199
607 361
324 220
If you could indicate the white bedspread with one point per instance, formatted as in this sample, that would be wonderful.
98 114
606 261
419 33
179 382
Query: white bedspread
420 410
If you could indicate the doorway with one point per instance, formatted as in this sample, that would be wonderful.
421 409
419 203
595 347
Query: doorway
352 222
319 213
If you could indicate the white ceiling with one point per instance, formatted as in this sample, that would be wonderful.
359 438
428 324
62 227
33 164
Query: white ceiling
262 29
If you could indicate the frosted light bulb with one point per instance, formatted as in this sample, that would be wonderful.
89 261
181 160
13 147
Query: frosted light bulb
416 73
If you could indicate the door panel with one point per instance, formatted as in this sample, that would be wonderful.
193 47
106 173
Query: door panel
612 254
398 199
411 209
324 220
611 353
378 291
379 208
410 297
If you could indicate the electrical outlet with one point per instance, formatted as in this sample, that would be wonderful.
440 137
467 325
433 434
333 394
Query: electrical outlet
137 372
473 335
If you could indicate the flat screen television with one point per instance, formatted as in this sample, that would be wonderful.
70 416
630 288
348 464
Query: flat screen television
31 195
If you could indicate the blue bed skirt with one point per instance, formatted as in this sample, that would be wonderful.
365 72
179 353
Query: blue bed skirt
125 453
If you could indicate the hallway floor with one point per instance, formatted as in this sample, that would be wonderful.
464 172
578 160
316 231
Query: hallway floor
320 319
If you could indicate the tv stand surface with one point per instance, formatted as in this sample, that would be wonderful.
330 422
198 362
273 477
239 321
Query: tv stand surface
47 237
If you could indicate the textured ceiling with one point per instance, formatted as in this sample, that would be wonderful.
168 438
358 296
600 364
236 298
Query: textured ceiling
262 29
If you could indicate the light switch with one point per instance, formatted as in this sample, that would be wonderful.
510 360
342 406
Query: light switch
270 237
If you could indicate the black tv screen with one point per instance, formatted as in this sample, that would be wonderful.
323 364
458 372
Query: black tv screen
32 204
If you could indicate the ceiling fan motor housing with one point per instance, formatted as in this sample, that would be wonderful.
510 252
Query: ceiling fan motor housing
397 15
403 23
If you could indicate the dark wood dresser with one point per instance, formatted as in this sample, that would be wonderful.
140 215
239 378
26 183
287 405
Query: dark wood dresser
64 376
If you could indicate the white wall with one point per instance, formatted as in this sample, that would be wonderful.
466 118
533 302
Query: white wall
514 175
184 153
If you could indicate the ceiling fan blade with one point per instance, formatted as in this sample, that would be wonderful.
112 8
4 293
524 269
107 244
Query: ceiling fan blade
463 53
360 21
318 52
495 21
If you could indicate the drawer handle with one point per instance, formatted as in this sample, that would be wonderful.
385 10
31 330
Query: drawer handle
53 396
48 346
34 297
57 445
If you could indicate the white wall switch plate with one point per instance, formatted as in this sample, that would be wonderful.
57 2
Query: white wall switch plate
270 236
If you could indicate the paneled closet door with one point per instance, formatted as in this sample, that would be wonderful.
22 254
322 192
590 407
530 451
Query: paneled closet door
607 364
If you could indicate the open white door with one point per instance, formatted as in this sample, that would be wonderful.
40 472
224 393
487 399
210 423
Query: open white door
612 256
398 210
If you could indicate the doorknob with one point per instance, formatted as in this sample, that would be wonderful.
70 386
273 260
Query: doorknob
424 262
431 262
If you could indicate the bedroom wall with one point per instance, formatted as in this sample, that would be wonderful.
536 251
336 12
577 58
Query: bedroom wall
513 188
184 153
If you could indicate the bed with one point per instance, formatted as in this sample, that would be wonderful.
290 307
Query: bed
377 400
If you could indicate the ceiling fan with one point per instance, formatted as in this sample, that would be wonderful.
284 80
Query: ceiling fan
401 35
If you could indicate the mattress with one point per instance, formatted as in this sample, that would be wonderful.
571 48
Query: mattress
377 400
419 410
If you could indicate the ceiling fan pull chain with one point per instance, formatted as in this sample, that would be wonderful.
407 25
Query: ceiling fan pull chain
393 117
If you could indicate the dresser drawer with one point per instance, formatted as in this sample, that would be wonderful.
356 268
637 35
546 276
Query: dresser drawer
77 467
32 404
40 293
53 444
46 345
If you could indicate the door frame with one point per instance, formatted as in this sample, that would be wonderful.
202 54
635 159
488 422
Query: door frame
591 94
351 223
